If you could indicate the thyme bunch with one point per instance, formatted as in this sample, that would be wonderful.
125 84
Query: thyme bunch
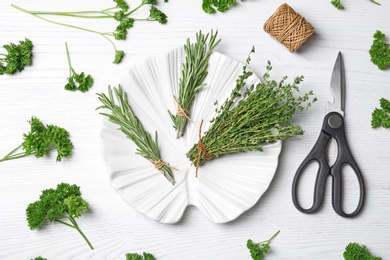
193 73
122 114
252 116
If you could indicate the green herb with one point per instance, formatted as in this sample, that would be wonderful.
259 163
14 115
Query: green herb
337 4
40 140
259 250
210 6
354 251
17 58
380 51
61 205
381 116
122 115
39 258
76 81
193 73
120 12
135 256
251 116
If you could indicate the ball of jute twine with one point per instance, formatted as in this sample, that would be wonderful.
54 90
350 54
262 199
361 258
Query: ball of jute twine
288 27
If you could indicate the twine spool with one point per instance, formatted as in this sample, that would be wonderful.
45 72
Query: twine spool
288 27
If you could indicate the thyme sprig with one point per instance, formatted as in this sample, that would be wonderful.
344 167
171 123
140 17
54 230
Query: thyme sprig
193 73
252 116
122 114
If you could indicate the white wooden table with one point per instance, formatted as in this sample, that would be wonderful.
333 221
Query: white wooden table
113 227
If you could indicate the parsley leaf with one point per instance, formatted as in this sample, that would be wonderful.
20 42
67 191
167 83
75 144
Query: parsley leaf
380 51
118 56
381 117
17 58
135 256
354 251
157 15
210 6
337 4
76 81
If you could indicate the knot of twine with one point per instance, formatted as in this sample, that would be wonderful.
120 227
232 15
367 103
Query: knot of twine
288 27
182 111
202 150
160 163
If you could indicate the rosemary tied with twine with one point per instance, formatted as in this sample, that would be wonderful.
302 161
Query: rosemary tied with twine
252 116
122 114
193 73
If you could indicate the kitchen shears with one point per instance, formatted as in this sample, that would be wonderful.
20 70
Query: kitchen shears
333 127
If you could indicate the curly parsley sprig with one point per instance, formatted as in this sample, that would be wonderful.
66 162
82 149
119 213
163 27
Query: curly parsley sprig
252 116
212 6
144 256
381 116
340 6
193 73
40 140
259 250
120 113
120 12
380 51
355 251
77 81
17 58
61 205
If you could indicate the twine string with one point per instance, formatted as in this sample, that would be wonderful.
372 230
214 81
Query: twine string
182 111
288 27
160 163
202 150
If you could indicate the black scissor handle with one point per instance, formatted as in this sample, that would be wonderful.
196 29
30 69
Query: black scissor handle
333 126
344 158
317 154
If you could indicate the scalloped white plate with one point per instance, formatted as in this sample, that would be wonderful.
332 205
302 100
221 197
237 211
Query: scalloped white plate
225 188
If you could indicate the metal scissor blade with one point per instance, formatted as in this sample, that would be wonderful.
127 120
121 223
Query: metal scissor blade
337 87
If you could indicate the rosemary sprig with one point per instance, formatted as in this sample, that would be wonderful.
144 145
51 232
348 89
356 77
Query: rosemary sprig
122 115
193 73
251 116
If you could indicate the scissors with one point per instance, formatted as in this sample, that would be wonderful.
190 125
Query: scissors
333 127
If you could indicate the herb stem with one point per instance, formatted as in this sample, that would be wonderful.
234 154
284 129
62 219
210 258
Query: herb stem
58 23
269 240
11 154
64 223
134 10
81 232
68 57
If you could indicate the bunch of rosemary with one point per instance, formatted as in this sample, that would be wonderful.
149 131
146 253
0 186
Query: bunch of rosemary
251 116
122 115
193 73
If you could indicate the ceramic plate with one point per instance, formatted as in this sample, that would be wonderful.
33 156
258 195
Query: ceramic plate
225 188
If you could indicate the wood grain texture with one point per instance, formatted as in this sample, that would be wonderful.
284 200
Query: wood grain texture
112 226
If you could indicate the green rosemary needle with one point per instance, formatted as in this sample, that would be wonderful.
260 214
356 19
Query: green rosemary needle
122 114
252 116
193 73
